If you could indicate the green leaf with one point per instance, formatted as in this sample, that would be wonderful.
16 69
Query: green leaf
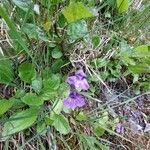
139 68
81 116
23 4
20 93
48 94
15 33
77 30
5 105
99 131
141 51
41 128
34 32
61 124
50 86
26 72
64 90
95 41
76 11
37 85
32 99
6 72
56 66
92 143
56 53
122 5
52 83
20 121
57 107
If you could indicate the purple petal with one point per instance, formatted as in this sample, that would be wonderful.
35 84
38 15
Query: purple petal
80 74
74 100
70 103
72 80
82 84
120 128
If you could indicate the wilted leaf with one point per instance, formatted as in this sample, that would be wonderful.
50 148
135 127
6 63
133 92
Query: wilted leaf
5 105
32 99
61 124
76 11
122 5
19 122
26 72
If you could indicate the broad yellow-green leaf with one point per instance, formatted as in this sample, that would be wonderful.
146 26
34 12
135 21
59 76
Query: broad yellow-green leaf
47 26
19 122
141 51
32 99
139 68
122 5
5 105
76 11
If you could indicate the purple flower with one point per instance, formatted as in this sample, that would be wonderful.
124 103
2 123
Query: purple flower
74 100
120 128
78 81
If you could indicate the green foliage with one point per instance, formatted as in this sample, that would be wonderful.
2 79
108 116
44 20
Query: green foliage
56 53
91 143
95 41
6 72
44 49
23 4
122 5
6 105
76 11
50 87
61 124
77 30
34 32
27 72
19 122
81 116
37 85
41 128
32 99
52 83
